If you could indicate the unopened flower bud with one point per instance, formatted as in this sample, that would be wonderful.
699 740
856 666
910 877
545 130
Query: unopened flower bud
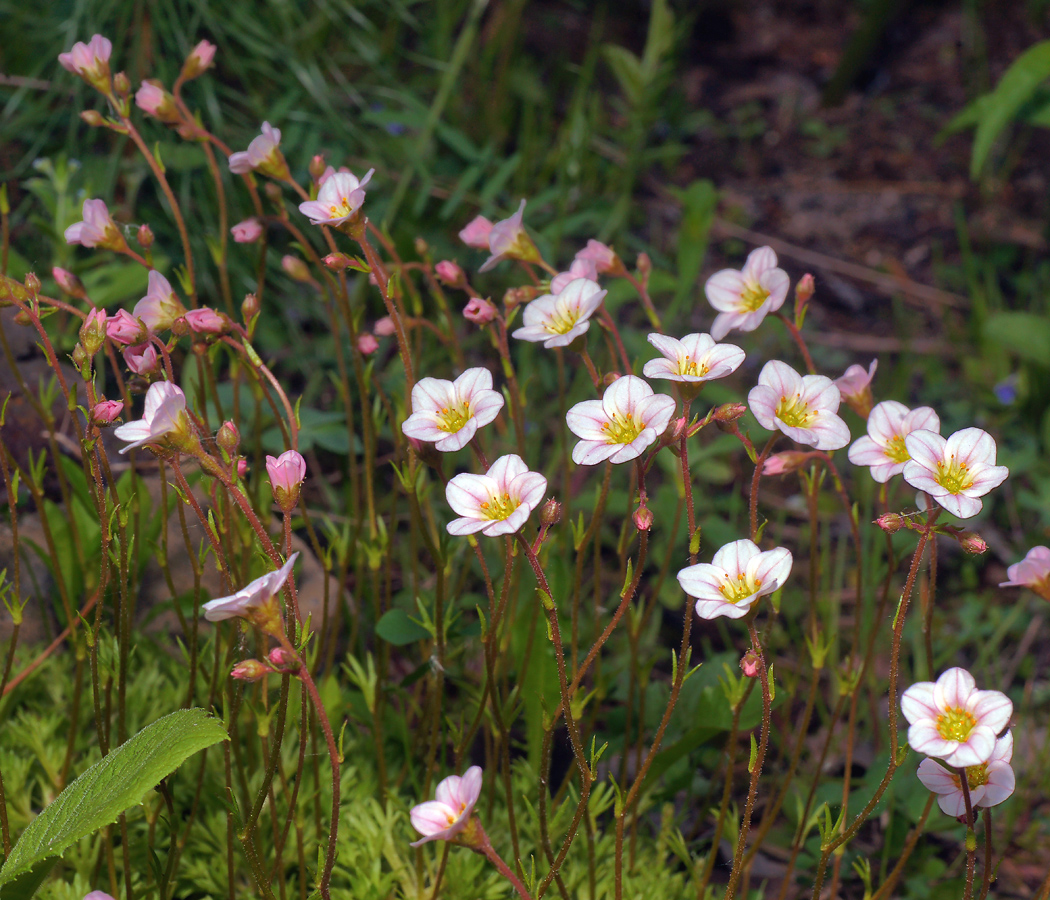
93 331
891 523
198 61
206 321
145 237
180 327
608 378
367 343
105 412
783 463
250 670
297 269
479 311
228 438
142 359
384 327
81 359
645 267
729 412
247 232
450 274
287 473
68 283
550 514
643 518
422 248
273 191
93 118
749 663
283 659
124 328
32 283
337 261
515 297
121 84
972 542
249 308
154 101
803 293
242 467
317 166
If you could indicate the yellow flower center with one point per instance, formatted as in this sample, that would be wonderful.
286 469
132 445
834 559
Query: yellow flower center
955 724
739 588
342 208
795 413
453 418
977 776
562 321
498 508
752 297
954 476
622 429
689 366
896 450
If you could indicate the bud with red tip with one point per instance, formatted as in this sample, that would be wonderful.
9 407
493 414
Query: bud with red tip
249 309
142 359
154 100
550 513
32 283
93 331
228 438
729 413
106 412
287 473
283 660
247 232
367 343
242 467
890 522
206 321
124 328
749 664
145 237
803 293
645 267
121 85
68 283
384 327
783 463
479 311
450 274
643 518
199 61
970 541
317 166
250 670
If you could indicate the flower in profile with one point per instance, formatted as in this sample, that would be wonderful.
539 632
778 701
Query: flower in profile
106 412
744 297
628 418
247 232
450 273
952 720
287 473
804 407
90 61
124 328
989 783
339 200
954 471
509 240
855 387
498 502
476 233
68 282
443 818
449 413
479 311
884 448
199 61
153 100
164 415
784 463
735 578
142 359
256 601
558 319
205 321
580 268
160 307
1031 572
603 257
262 156
696 358
97 229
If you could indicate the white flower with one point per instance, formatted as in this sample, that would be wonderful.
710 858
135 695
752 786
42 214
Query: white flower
735 578
164 413
558 319
252 596
855 387
884 448
990 783
580 268
803 407
1031 572
695 358
159 309
97 228
498 502
744 297
955 471
449 413
339 199
627 419
446 816
262 155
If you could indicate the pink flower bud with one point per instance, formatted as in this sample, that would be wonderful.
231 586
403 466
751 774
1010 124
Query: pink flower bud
317 166
645 266
783 463
247 232
972 542
121 84
804 290
105 412
287 473
890 522
337 261
205 321
749 664
32 283
643 518
604 258
729 412
198 61
249 308
68 283
145 237
283 659
242 468
367 343
479 311
297 269
93 331
92 117
250 670
855 387
154 101
550 513
124 328
90 61
384 327
450 274
228 437
476 233
142 359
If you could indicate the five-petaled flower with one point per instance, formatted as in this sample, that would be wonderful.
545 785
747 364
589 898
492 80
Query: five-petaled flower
449 413
989 783
124 328
580 268
883 448
954 471
498 502
97 229
262 156
90 61
558 319
627 419
443 818
160 307
509 240
855 387
256 601
339 200
804 407
952 720
1031 572
476 233
696 358
287 472
744 297
164 415
735 578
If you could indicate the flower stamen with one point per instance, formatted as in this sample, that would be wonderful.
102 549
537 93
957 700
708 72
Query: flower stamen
955 724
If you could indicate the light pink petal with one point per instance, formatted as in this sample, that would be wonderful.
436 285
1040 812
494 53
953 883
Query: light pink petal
953 804
924 738
627 452
734 557
466 492
821 392
977 748
432 394
971 445
625 394
713 609
473 381
1004 749
448 792
509 525
505 469
776 283
724 323
586 419
590 453
529 488
423 427
670 347
784 380
918 476
986 479
924 418
657 412
866 452
762 400
470 787
759 261
662 368
466 525
771 569
954 687
926 448
960 505
937 778
830 433
885 421
723 360
919 702
563 340
992 708
723 291
703 581
1001 783
450 442
486 407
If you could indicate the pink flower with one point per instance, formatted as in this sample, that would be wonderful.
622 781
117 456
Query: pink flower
696 358
954 471
989 783
509 240
476 233
367 343
262 156
735 578
164 414
287 473
339 200
784 463
952 720
446 816
205 321
450 273
884 448
124 328
627 419
743 298
603 257
97 229
98 895
68 282
142 359
855 387
558 319
106 412
803 407
449 413
256 601
90 61
297 269
479 311
250 670
93 331
498 502
160 307
384 327
198 61
580 268
153 100
247 232
1031 572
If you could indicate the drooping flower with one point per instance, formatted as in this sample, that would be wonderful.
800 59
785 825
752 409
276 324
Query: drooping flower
744 297
476 233
68 282
989 783
580 268
628 418
952 720
479 311
954 471
804 407
603 257
198 61
883 448
262 156
164 415
498 502
90 61
558 319
97 229
153 100
124 328
735 578
509 240
449 413
696 358
855 387
205 321
338 201
446 816
256 601
247 232
142 359
450 274
160 307
1031 572
287 473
